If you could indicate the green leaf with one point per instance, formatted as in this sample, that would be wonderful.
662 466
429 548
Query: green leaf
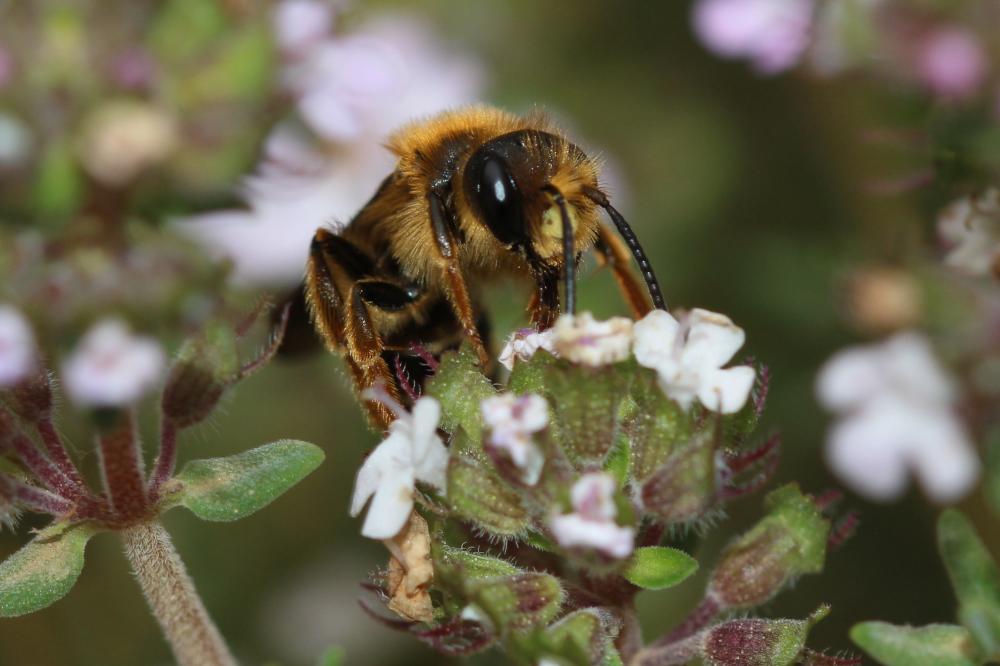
974 576
44 570
932 645
658 567
224 489
460 387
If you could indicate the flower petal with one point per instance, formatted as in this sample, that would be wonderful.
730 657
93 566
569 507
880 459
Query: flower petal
712 339
726 391
390 507
574 531
943 458
654 338
849 378
432 468
865 452
388 458
426 416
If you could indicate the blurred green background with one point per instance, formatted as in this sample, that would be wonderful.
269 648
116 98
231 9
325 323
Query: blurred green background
749 195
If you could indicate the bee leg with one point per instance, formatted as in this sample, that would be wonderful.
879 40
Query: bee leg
454 282
341 316
611 250
544 305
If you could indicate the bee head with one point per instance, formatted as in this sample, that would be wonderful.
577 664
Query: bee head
519 185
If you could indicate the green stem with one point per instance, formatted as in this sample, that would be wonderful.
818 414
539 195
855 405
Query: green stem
172 597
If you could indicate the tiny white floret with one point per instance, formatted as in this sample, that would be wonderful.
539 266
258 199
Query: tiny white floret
688 356
592 523
18 355
513 421
111 367
412 452
585 340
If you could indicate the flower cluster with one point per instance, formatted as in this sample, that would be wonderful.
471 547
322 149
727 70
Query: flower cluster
607 435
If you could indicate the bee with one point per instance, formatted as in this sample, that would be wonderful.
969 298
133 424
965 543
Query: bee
477 193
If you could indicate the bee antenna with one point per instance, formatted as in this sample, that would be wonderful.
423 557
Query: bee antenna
632 241
569 253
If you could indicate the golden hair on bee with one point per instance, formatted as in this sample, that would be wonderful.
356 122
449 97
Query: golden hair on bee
476 193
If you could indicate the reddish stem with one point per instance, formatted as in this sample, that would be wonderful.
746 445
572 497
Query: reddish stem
121 463
57 452
166 458
33 498
43 469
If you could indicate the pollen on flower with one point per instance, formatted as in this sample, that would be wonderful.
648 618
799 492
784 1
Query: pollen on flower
585 340
688 356
111 367
522 345
592 524
513 421
17 347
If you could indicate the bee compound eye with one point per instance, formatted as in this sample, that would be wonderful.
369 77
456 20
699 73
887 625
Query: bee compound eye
500 201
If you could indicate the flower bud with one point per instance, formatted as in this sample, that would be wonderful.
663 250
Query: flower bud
206 365
494 589
757 641
790 541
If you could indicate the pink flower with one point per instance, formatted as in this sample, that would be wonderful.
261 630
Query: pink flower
951 62
513 421
369 82
301 24
592 524
772 34
111 367
523 344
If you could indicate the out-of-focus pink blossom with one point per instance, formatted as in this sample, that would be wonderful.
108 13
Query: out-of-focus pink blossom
367 83
301 24
134 68
951 62
352 90
18 355
513 420
111 367
771 34
897 417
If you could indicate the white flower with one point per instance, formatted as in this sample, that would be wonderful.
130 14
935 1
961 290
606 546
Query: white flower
688 357
582 339
512 421
110 367
412 452
17 347
971 227
592 523
773 34
301 24
523 344
896 408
